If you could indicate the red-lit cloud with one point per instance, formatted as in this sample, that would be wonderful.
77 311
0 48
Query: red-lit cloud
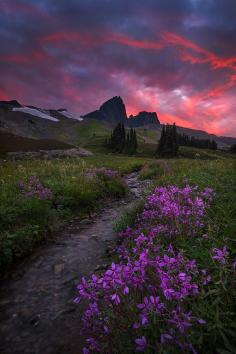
4 95
175 58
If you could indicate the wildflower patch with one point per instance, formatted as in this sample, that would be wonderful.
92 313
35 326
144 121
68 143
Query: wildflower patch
146 295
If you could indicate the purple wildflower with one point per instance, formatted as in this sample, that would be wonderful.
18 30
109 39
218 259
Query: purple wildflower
141 344
220 255
102 172
34 188
151 277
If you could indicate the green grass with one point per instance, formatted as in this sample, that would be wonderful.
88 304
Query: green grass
150 134
152 170
203 154
25 222
92 134
123 163
128 218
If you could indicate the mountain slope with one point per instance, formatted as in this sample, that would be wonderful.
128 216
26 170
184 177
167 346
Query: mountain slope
37 123
11 142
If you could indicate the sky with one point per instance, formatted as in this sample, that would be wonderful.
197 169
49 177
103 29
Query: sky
175 57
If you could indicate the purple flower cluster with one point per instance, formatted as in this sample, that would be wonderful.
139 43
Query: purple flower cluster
180 210
220 255
34 188
103 172
146 294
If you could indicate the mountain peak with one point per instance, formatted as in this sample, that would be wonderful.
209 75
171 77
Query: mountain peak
143 118
114 111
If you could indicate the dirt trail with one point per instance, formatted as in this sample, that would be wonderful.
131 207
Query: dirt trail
37 313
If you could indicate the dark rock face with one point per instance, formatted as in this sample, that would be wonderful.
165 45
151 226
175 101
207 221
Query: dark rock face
115 109
9 104
99 115
112 111
142 119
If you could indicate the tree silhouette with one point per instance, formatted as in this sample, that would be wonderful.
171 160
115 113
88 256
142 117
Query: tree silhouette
121 141
168 143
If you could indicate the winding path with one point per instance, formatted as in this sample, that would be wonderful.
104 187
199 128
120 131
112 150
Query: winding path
37 313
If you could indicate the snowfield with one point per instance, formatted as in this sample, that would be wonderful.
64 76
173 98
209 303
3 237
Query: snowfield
69 115
35 112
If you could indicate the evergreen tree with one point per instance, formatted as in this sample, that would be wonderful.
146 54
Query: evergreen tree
135 141
120 141
133 144
162 139
123 137
232 149
175 143
131 141
214 145
127 143
168 144
185 140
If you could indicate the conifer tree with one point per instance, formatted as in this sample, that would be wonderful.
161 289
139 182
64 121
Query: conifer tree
185 140
133 144
162 139
120 141
131 141
232 149
127 143
168 144
135 141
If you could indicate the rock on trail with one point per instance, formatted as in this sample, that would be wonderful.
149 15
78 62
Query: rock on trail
37 312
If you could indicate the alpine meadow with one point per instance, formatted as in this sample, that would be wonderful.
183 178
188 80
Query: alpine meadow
117 177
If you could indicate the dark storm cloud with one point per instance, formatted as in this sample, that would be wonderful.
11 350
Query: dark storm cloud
175 57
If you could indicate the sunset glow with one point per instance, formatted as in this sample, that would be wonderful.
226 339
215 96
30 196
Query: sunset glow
177 58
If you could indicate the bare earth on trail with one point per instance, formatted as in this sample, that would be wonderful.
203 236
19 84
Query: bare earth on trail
37 312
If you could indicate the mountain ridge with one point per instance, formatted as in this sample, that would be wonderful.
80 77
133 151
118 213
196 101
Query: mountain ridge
59 124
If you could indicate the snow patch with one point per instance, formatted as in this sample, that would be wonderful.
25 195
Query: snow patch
35 112
69 115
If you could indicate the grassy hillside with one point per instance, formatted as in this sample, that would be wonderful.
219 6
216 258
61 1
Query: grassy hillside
91 134
10 142
149 136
